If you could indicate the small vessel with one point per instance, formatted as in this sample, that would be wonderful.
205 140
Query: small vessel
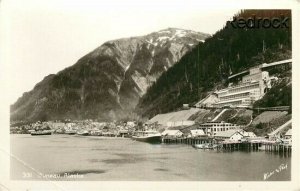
211 146
59 131
96 133
70 132
199 146
147 136
205 146
34 133
83 133
262 147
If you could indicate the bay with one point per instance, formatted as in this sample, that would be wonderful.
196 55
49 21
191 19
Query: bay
76 158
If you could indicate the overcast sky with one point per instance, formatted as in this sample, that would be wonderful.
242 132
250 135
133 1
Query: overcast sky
43 37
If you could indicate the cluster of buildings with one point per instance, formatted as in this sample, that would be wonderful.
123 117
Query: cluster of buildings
221 131
68 127
243 90
243 94
179 124
20 129
251 86
216 130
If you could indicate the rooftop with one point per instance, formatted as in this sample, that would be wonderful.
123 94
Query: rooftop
227 133
289 132
171 132
216 123
182 115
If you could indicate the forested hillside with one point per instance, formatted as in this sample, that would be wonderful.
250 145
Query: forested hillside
208 65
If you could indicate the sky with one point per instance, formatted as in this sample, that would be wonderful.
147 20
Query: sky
42 37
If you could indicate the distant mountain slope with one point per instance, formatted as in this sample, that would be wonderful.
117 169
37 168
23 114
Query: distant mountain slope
108 82
209 64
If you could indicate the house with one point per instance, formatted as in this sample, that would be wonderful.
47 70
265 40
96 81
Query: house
123 133
185 106
247 134
172 133
197 133
288 137
233 135
130 124
57 125
288 134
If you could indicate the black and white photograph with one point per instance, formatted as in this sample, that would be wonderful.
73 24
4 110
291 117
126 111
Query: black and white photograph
170 92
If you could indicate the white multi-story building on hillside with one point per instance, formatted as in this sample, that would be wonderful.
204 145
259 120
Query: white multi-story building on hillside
210 128
252 87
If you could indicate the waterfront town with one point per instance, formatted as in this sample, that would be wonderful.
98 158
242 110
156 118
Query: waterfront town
225 117
173 127
171 95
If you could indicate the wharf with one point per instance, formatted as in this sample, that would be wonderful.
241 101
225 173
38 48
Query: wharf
232 146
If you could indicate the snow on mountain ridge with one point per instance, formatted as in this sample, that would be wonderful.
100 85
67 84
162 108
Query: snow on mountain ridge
108 81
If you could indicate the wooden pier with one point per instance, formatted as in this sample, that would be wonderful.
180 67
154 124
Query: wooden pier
232 146
278 148
246 146
189 141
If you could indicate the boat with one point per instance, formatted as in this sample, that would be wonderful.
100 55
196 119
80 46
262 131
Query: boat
35 133
198 146
211 146
147 136
96 133
262 148
83 133
205 146
70 132
59 131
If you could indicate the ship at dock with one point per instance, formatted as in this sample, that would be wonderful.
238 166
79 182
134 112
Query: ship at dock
70 132
83 133
147 136
36 133
41 129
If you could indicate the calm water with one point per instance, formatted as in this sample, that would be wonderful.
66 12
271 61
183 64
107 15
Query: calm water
98 158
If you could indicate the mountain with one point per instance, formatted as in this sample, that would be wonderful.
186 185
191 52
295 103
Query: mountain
108 82
208 65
